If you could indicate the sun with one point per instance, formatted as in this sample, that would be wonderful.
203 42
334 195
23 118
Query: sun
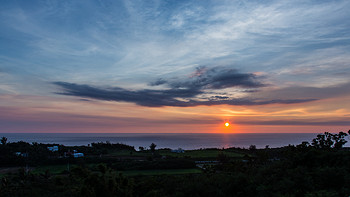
227 124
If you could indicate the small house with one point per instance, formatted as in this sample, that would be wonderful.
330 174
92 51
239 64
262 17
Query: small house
53 148
75 155
20 154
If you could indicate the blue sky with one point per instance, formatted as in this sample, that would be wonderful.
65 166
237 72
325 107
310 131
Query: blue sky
289 52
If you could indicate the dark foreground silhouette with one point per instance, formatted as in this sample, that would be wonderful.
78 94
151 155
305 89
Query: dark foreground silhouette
321 168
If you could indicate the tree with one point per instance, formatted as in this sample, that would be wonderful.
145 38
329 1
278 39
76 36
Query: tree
252 148
329 140
339 140
153 147
303 146
3 140
141 148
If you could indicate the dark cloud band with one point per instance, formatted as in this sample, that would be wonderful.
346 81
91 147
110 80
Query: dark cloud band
213 78
181 93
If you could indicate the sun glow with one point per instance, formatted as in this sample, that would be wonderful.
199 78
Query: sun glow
227 124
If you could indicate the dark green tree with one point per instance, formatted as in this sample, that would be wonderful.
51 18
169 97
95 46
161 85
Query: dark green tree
329 140
3 140
252 148
304 146
153 147
339 140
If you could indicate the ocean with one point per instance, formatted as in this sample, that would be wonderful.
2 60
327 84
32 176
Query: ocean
187 141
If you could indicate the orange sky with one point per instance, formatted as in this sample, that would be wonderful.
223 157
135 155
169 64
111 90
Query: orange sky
52 114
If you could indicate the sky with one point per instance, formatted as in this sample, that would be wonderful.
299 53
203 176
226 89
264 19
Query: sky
174 66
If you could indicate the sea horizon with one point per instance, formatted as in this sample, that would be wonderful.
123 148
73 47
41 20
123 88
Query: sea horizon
187 141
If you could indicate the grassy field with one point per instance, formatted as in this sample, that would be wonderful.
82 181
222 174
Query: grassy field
4 171
57 169
127 153
160 172
207 153
53 169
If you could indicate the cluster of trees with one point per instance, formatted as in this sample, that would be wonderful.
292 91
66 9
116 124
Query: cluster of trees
152 147
329 140
111 146
80 181
21 153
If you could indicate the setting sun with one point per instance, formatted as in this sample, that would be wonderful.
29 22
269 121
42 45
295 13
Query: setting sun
227 124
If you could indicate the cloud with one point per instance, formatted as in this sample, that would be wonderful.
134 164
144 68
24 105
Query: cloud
216 78
158 98
157 38
158 82
308 122
307 92
181 92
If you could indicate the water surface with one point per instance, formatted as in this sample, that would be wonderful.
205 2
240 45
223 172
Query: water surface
168 140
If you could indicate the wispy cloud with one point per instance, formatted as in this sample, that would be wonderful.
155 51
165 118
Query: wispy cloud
307 122
304 92
137 39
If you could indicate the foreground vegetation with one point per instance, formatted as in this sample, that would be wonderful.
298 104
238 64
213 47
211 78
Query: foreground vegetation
321 168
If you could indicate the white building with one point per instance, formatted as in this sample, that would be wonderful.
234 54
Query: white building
75 155
53 148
